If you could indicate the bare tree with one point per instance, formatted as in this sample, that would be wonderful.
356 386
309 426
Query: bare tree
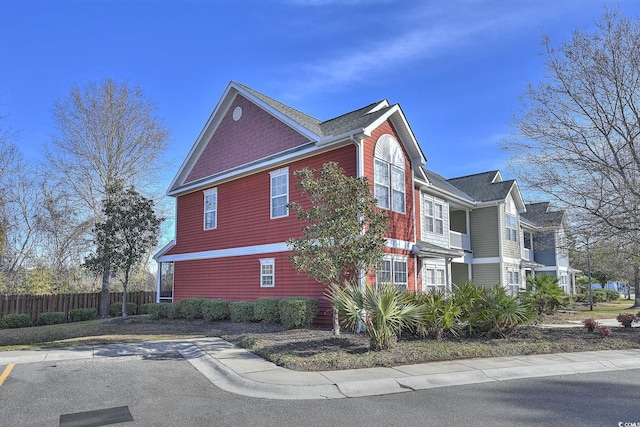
107 134
577 136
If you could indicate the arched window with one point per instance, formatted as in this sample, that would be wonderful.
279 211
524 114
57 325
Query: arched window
388 174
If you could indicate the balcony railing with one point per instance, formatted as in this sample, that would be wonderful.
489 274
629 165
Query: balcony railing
459 240
526 254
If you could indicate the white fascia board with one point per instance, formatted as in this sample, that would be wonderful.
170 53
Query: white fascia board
493 260
426 187
406 134
198 146
351 135
164 249
225 253
238 173
520 205
399 244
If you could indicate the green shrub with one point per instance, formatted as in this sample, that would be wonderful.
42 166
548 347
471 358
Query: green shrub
385 310
146 307
159 310
241 311
82 314
267 310
439 314
172 311
15 320
216 309
51 318
297 312
116 309
544 294
191 308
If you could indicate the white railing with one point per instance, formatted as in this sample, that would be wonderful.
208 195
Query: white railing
526 254
459 240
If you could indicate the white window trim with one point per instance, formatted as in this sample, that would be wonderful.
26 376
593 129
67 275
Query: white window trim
427 286
393 259
511 226
268 262
513 286
276 174
211 191
429 217
395 161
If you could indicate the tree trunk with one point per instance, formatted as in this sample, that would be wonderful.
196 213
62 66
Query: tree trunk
336 321
104 295
124 302
636 278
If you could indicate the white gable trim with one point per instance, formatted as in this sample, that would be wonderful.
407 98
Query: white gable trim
225 253
228 96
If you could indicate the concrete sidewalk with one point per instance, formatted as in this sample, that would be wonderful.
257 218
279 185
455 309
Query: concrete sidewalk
238 371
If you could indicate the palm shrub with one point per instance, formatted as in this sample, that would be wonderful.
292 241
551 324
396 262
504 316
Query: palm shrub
544 294
504 313
385 311
440 314
468 297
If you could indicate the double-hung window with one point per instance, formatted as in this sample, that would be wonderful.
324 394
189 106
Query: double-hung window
433 279
433 216
511 227
267 273
279 193
393 270
513 282
211 209
389 176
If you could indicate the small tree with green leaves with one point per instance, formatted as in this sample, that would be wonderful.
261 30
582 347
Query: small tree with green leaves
343 235
129 230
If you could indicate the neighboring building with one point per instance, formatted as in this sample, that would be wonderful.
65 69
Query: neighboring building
550 240
232 191
494 223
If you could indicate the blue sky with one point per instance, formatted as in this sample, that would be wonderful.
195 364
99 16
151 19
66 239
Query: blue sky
456 67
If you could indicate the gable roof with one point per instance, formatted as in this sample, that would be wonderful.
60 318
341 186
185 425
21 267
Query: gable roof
487 187
541 215
360 122
441 185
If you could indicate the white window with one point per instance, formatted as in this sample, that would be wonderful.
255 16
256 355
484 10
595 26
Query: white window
513 282
388 175
267 273
393 270
211 209
433 278
279 193
511 227
433 216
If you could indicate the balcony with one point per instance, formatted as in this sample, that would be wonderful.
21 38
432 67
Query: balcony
459 241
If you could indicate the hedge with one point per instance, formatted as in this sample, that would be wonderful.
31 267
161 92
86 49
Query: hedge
267 310
51 318
15 320
82 314
191 308
298 312
216 309
241 311
116 309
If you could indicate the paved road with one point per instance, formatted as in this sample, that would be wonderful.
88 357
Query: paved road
166 390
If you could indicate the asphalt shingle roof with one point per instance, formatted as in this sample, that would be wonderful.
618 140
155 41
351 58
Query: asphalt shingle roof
440 182
541 215
481 186
356 119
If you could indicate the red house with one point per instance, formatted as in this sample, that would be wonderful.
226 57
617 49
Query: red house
232 190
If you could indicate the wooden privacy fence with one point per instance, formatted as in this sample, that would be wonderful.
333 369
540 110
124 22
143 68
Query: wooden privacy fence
36 304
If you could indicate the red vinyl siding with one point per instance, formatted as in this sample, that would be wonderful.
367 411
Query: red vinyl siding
401 226
244 216
256 135
238 279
